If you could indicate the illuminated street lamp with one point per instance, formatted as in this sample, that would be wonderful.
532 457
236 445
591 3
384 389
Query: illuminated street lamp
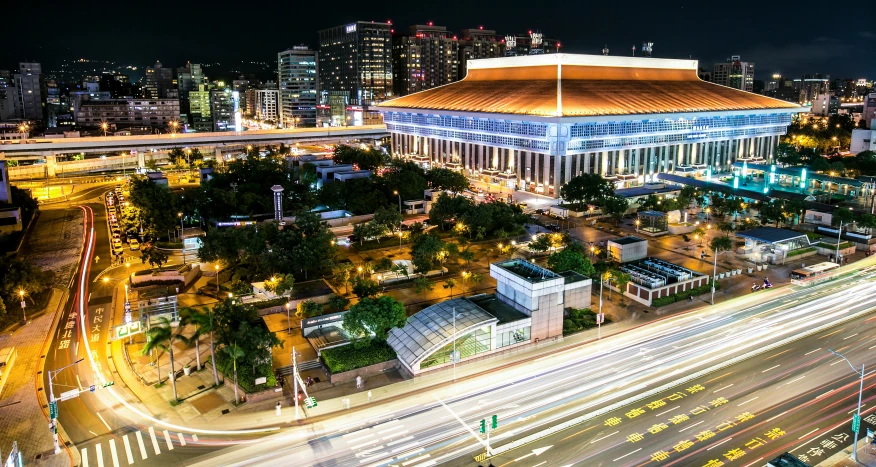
181 236
856 420
399 200
173 125
23 305
22 129
104 126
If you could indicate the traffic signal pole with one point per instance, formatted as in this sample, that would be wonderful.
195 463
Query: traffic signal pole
295 381
53 405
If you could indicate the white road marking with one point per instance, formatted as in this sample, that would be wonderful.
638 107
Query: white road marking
666 412
403 432
104 421
418 459
755 462
807 434
606 436
182 440
128 449
194 437
113 453
777 416
816 350
405 447
366 443
169 442
628 454
370 450
771 368
99 453
691 426
849 337
828 392
721 389
400 440
84 457
722 442
749 400
141 444
154 440
397 427
855 410
795 380
356 434
431 463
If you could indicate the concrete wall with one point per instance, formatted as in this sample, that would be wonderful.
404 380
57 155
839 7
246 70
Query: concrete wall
364 372
645 296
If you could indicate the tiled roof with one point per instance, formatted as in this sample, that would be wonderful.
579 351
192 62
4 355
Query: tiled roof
584 90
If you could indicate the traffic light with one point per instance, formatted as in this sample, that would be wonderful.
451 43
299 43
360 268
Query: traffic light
300 396
483 426
109 383
495 422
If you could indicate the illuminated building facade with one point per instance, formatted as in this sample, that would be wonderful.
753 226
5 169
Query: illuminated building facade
356 59
425 58
734 73
299 88
532 123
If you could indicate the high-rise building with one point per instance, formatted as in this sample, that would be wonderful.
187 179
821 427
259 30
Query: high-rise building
30 87
200 117
222 109
8 97
734 73
121 113
158 81
298 76
117 84
266 104
825 104
425 58
531 43
476 44
869 113
810 86
356 59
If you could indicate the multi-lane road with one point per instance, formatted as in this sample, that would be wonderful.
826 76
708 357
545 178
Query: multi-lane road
734 371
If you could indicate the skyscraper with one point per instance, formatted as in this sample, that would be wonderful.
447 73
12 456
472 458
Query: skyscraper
356 59
298 74
531 43
30 88
476 44
159 80
425 58
222 109
200 116
734 73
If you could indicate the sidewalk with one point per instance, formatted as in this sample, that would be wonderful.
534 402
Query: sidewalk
22 416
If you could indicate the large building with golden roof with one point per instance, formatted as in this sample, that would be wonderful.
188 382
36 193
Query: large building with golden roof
532 123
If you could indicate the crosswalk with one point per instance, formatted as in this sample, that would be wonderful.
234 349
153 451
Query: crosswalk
132 447
388 441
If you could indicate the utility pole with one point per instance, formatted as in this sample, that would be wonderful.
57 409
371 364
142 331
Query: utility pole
838 240
714 274
53 405
294 376
856 420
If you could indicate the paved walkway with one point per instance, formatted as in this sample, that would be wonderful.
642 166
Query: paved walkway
22 418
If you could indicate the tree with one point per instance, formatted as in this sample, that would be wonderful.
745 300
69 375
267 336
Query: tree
541 243
467 255
615 206
570 259
786 154
373 319
721 243
364 288
447 179
17 275
389 219
427 251
819 165
401 269
450 284
843 215
422 285
586 188
726 227
338 302
235 353
699 233
343 273
161 337
156 203
621 279
308 309
473 279
280 283
200 323
364 159
154 256
447 208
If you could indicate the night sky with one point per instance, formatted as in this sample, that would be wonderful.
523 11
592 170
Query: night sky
788 37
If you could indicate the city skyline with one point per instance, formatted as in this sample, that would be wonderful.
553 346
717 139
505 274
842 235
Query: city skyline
786 44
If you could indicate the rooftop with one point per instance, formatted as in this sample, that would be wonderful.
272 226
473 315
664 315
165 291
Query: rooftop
770 235
628 240
572 85
501 310
527 270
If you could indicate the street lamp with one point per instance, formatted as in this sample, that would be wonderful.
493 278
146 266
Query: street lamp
288 321
23 305
637 225
855 426
22 129
104 126
217 280
395 192
173 125
181 236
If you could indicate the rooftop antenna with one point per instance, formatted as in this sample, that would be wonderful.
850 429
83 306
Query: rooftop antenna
634 51
605 50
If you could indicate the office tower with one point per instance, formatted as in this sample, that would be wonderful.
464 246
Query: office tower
355 60
30 89
425 58
298 73
478 43
734 73
158 81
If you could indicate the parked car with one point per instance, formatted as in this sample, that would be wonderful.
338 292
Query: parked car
539 211
134 244
352 239
554 228
117 249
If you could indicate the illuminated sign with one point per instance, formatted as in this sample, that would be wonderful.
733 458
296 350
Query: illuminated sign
700 127
351 28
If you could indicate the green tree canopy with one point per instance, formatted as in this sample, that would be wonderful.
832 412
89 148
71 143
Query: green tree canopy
365 159
586 188
447 179
570 259
374 318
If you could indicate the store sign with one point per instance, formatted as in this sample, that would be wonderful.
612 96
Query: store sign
351 28
122 331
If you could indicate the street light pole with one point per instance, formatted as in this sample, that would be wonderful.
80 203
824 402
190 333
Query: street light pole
23 305
838 240
182 237
288 320
52 401
860 392
295 380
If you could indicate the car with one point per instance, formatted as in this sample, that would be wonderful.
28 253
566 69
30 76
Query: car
539 211
117 250
134 244
352 238
522 205
114 226
554 228
112 218
117 235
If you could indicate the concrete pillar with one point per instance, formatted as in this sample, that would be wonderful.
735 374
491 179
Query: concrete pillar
51 165
603 162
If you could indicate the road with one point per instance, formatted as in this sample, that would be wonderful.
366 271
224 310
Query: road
582 386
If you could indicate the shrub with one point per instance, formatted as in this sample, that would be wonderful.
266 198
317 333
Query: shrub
800 251
245 375
663 301
168 282
578 320
308 308
348 357
169 245
279 301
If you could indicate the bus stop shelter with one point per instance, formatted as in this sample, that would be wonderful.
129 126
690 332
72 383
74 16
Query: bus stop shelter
771 243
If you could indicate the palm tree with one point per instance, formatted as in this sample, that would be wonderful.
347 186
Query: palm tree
450 284
235 352
161 337
200 322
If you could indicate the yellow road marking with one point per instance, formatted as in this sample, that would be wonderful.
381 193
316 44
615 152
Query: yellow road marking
719 377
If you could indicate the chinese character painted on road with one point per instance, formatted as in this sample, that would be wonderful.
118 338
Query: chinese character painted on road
734 454
718 402
725 425
95 328
745 416
635 437
841 437
676 396
755 443
704 435
682 445
695 388
656 404
98 311
657 428
634 413
67 334
98 319
828 444
659 456
804 458
64 344
816 451
95 337
679 419
613 421
69 325
699 409
713 463
775 433
871 419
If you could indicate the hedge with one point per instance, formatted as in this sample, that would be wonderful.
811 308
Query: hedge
348 357
169 245
169 283
800 251
270 303
832 246
663 301
245 376
579 320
